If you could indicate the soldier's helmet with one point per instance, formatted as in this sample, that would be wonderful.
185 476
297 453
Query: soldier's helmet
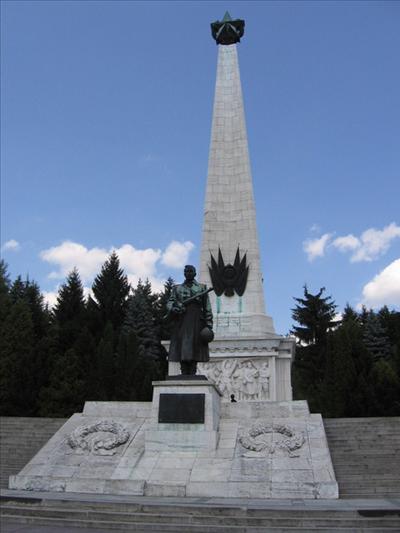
206 335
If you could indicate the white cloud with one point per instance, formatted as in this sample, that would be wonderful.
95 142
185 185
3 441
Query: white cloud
69 255
370 245
375 243
316 247
50 297
344 244
11 246
384 288
138 264
177 253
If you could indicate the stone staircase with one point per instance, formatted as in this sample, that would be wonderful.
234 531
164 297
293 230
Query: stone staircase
200 515
20 439
366 456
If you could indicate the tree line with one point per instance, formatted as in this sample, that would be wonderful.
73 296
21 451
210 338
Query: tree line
347 367
107 347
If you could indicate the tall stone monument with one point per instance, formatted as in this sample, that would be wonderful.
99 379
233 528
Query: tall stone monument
246 342
190 441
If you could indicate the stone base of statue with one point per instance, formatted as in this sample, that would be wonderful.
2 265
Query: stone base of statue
187 442
184 417
250 368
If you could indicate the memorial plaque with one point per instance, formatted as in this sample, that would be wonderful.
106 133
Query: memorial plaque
181 408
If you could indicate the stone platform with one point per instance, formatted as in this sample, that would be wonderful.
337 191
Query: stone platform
248 449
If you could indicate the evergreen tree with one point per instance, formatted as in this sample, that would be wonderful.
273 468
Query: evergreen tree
17 364
69 311
140 347
315 315
17 290
105 365
106 314
386 388
375 337
163 318
65 393
72 353
5 284
390 321
26 295
346 388
349 315
141 318
110 290
128 362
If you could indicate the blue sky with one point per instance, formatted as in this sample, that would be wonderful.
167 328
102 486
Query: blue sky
106 120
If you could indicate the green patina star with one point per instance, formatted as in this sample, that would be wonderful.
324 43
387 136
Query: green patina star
227 31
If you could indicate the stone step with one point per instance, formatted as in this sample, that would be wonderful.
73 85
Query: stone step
364 454
173 521
21 439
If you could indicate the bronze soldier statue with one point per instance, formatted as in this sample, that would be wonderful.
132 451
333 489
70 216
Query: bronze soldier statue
190 307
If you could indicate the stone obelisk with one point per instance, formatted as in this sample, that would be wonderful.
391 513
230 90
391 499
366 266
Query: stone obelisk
245 340
229 227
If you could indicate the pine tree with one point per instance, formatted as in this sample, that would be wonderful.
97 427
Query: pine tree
386 388
72 353
110 290
5 284
65 393
69 311
26 295
17 290
349 315
375 337
315 315
127 367
346 387
163 318
339 374
106 365
17 364
140 351
106 315
142 318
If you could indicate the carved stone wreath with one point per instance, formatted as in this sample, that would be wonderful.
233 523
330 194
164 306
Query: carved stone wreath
100 445
292 441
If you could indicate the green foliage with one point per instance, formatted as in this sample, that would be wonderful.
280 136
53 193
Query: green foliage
315 316
142 323
110 291
105 365
17 365
23 346
66 392
164 319
352 368
142 317
375 337
5 284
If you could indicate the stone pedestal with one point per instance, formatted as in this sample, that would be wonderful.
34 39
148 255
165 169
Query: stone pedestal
184 416
253 369
246 449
